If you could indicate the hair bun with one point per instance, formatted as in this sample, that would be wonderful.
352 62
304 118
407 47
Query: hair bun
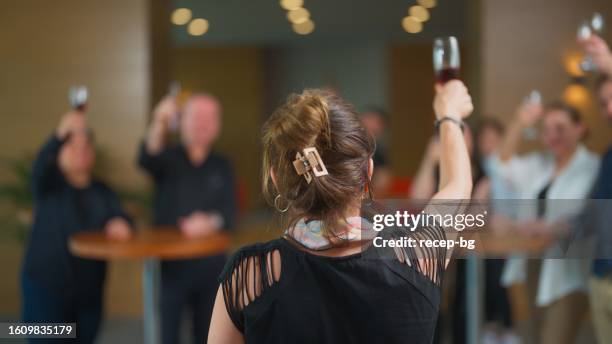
311 109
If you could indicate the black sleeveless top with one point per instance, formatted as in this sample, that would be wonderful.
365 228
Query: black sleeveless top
381 295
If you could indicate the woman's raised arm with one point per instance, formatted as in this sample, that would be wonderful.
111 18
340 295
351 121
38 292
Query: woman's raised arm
451 105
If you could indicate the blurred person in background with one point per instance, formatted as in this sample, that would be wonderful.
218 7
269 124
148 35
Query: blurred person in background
488 141
428 174
57 286
489 136
425 179
597 217
497 313
496 189
194 191
313 285
375 121
423 187
565 170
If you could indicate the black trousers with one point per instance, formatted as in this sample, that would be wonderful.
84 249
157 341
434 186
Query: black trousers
39 305
189 285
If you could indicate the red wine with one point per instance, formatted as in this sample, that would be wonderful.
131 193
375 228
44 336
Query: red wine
447 74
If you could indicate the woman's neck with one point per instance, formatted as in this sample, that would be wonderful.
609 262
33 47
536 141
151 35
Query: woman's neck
79 180
353 212
562 160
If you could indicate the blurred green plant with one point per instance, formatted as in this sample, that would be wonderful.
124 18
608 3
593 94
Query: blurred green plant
15 196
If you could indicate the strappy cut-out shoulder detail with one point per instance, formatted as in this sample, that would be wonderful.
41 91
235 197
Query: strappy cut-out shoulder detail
429 261
250 273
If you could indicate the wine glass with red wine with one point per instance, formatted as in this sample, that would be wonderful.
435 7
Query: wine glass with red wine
446 59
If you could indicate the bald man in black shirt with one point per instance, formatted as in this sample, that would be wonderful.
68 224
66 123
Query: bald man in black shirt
195 191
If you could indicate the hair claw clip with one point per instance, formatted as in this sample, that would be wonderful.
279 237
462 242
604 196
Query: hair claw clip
309 163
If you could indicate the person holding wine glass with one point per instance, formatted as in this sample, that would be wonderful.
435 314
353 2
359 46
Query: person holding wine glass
565 170
599 52
586 30
446 63
598 216
57 286
195 191
313 285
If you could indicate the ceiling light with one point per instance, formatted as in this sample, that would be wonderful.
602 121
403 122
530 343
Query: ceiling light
298 15
198 27
412 25
419 12
304 28
180 16
291 4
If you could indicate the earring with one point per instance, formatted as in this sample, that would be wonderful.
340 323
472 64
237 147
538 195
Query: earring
367 196
278 208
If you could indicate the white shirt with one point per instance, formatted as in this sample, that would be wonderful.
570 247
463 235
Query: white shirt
529 174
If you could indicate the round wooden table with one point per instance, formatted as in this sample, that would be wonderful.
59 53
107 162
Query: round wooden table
151 245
